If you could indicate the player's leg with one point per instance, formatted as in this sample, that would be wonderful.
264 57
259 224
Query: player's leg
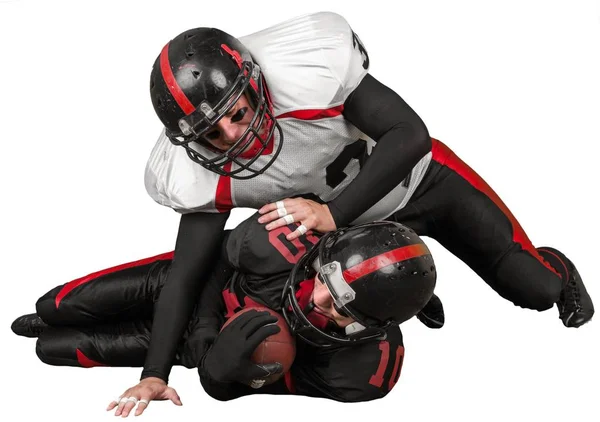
123 345
458 208
123 292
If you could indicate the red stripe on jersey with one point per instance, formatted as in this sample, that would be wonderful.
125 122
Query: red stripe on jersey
79 281
383 260
85 361
167 74
223 199
231 302
446 157
313 114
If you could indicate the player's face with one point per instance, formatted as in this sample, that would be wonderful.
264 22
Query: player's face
231 127
324 305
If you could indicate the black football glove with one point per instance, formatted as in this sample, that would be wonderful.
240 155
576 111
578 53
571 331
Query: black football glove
228 359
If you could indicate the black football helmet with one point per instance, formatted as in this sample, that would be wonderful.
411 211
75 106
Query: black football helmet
197 78
378 274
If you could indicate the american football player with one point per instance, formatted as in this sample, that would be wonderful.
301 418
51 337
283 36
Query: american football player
343 295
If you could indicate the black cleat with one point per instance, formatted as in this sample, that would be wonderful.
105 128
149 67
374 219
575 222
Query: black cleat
432 315
30 325
575 305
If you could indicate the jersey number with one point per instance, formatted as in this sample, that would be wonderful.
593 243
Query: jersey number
335 171
293 250
357 44
377 379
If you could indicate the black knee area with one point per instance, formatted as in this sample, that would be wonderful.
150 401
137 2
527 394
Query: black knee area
56 346
526 281
41 352
49 354
46 309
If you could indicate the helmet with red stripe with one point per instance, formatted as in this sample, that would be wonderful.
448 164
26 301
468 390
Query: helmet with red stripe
196 80
378 274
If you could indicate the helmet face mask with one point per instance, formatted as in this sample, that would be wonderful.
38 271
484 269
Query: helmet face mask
197 79
370 279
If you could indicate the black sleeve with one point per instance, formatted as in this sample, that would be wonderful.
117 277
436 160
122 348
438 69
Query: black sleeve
211 317
197 247
402 140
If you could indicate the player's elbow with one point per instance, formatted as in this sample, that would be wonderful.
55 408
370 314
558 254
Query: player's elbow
414 136
422 138
218 391
420 135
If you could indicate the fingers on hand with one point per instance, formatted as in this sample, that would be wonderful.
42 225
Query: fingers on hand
113 404
174 397
300 230
142 405
273 206
259 335
243 319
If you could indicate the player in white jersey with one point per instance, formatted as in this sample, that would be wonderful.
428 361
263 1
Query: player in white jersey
288 120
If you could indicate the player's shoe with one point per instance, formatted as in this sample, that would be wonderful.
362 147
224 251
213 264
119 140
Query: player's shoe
575 305
30 325
432 315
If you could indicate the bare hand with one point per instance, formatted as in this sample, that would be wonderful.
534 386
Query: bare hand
148 389
311 215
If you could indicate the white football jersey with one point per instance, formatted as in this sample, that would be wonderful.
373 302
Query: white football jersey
311 64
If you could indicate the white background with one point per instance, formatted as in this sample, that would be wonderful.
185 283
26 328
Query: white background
511 86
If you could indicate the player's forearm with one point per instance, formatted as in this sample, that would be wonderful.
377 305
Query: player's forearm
402 140
172 313
209 315
198 245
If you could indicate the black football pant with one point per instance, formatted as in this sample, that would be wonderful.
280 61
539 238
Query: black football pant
456 207
105 318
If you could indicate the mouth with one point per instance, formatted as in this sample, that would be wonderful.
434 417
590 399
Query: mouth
313 307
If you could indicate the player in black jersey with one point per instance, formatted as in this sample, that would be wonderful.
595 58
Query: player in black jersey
347 320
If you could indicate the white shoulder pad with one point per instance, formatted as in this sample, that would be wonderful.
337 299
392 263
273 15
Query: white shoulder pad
310 62
175 181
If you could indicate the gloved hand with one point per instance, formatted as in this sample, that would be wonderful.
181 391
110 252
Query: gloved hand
228 359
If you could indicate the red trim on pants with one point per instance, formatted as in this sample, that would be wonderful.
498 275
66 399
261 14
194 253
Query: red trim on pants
85 361
68 287
446 157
